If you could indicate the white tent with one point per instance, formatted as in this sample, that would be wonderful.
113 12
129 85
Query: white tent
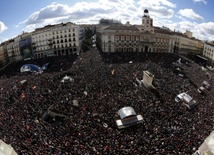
6 149
147 78
208 145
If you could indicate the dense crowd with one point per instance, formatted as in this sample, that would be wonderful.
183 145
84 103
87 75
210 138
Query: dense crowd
104 83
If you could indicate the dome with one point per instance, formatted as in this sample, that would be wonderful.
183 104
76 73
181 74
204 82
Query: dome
146 11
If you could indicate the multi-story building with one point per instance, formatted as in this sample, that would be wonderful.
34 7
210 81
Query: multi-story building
10 50
57 40
131 38
126 38
42 42
208 51
16 48
164 40
146 38
25 46
67 38
2 55
185 43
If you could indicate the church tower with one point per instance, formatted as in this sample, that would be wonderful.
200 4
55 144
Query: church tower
147 22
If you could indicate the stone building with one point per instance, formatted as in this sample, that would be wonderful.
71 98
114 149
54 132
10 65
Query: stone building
208 51
135 38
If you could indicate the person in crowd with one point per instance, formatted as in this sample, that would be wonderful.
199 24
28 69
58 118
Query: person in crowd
102 85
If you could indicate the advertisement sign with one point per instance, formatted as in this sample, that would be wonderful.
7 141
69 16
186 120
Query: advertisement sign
26 48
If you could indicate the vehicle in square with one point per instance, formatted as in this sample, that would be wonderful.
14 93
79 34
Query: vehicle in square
128 118
186 100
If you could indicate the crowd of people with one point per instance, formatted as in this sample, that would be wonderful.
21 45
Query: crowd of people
101 85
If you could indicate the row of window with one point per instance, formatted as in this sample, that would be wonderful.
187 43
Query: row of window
64 46
45 43
57 37
208 48
55 47
62 41
65 31
136 38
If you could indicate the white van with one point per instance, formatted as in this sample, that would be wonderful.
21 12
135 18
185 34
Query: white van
128 118
186 99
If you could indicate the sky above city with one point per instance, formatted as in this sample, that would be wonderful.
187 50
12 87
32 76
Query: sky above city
18 16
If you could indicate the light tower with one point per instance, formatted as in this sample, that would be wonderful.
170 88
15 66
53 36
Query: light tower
146 13
147 22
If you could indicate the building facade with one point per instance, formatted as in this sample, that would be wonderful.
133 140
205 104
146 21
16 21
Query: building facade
146 38
51 40
164 40
208 51
42 42
57 40
10 50
2 55
16 48
67 38
185 43
131 38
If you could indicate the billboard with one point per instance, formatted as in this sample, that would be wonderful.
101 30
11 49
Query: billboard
26 48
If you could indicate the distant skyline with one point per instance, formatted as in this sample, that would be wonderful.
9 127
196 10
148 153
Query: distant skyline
196 16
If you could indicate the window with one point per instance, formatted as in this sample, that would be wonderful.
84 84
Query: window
132 38
109 38
127 38
122 38
137 38
117 38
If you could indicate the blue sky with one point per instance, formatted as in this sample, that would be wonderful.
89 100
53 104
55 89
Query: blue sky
17 16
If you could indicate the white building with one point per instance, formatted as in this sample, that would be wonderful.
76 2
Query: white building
67 38
57 40
16 48
136 38
207 147
208 51
10 50
41 42
185 44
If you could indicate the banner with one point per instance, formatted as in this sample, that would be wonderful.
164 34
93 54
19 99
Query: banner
26 48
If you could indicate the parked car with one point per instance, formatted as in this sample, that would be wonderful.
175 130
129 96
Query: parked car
186 100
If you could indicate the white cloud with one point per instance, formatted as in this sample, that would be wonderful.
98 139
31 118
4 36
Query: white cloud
189 13
162 12
157 8
151 3
197 1
89 11
3 27
205 30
